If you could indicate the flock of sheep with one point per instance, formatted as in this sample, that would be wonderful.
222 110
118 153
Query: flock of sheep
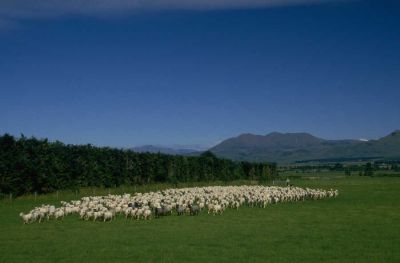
214 199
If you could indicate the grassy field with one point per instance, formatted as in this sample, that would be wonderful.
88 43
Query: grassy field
361 225
333 174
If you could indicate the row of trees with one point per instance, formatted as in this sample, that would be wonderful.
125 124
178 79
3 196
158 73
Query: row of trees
30 165
362 169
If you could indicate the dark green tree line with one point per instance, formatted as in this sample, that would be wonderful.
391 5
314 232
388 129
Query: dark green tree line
30 165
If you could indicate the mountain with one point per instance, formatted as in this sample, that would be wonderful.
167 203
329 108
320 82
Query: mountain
300 147
162 149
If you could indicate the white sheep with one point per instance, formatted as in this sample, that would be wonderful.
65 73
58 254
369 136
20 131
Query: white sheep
139 206
147 214
108 216
26 218
59 214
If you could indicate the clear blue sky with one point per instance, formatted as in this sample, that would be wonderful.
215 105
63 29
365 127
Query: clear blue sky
191 74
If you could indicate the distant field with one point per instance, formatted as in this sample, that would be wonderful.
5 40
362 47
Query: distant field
333 174
330 174
361 225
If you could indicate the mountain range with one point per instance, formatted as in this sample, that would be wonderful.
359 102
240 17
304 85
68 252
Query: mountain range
292 148
304 147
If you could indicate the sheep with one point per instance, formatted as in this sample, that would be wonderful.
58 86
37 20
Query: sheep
180 210
147 214
26 218
108 216
217 209
38 215
158 211
97 215
59 214
210 208
167 209
216 199
194 210
201 205
127 211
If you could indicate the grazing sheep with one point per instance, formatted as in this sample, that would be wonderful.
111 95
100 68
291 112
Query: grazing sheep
161 203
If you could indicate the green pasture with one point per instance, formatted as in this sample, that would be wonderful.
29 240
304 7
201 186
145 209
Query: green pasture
361 225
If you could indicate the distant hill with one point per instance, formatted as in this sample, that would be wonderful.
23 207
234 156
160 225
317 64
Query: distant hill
295 147
166 150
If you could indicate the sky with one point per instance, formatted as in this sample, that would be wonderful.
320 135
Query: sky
126 73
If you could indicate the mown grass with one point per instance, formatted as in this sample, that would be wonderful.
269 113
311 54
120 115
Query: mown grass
361 225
